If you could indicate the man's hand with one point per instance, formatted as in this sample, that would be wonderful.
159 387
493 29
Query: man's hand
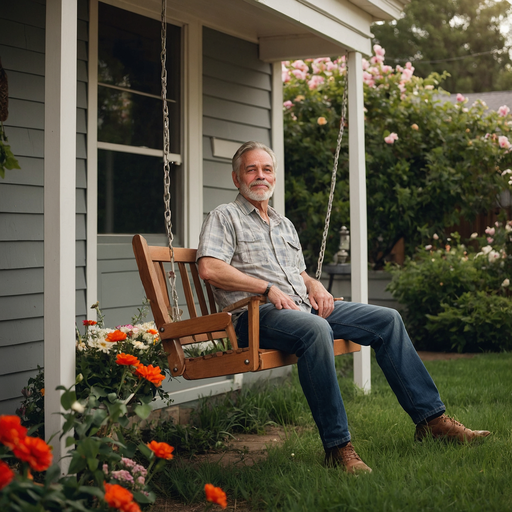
280 299
320 298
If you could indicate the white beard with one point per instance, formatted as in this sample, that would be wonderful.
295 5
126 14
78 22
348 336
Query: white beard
257 196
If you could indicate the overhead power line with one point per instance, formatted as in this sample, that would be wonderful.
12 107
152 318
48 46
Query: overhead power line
449 59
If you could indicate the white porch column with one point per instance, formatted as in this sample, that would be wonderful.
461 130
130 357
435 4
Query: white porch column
59 210
278 135
193 95
358 227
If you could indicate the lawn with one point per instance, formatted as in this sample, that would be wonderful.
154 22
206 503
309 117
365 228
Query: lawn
406 475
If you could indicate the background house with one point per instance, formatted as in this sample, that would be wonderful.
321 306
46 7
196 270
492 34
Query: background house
85 124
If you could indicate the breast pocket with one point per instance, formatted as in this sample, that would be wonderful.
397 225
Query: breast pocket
252 249
291 251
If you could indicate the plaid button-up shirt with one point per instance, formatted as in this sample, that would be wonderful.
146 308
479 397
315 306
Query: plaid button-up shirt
236 234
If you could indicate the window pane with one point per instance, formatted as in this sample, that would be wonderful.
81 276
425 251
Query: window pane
130 194
129 52
133 120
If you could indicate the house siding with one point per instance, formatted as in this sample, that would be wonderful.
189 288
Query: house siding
22 43
236 107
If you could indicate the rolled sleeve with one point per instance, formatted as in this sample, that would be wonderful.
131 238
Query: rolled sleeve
217 239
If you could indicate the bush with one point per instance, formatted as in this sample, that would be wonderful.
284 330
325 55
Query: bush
429 162
457 297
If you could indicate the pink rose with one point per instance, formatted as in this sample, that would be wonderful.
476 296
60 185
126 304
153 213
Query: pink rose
503 142
379 50
503 110
297 73
288 104
316 81
460 98
390 139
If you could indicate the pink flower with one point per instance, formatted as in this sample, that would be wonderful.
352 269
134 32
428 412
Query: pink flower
366 64
490 240
316 81
503 142
407 75
285 76
408 65
503 110
379 50
390 139
460 98
377 59
490 231
297 73
300 64
288 104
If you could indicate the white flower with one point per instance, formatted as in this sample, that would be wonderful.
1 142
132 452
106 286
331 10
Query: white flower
494 256
78 407
506 282
474 235
428 247
487 249
435 236
506 171
139 345
508 227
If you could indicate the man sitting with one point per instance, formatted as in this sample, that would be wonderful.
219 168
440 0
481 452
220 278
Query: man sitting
247 248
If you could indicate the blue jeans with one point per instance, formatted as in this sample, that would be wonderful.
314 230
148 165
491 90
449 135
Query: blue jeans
311 339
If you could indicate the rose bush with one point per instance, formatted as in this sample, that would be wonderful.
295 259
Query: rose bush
429 162
457 296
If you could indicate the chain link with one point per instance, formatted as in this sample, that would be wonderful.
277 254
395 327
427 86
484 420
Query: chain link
344 103
175 310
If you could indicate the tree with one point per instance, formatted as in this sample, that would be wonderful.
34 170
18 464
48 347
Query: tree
429 162
462 37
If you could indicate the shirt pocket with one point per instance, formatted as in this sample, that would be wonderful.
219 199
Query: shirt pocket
253 249
291 251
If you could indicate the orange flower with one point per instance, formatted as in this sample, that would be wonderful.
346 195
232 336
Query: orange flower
6 474
162 450
215 495
120 498
150 373
11 431
89 322
41 391
127 360
34 451
117 335
152 331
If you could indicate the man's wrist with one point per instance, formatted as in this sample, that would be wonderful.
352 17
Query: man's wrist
267 290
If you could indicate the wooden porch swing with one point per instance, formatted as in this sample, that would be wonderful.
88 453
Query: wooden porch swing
209 325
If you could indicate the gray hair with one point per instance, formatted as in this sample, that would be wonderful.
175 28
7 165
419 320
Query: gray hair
249 146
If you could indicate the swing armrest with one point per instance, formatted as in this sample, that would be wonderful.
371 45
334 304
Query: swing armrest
193 326
245 302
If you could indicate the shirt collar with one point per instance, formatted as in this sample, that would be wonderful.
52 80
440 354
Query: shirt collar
247 208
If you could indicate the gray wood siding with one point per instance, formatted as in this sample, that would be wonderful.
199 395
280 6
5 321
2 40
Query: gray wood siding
236 107
22 42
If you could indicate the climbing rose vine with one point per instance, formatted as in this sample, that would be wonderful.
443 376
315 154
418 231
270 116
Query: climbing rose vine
429 162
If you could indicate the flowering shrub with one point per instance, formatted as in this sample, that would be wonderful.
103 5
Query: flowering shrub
456 296
428 162
125 363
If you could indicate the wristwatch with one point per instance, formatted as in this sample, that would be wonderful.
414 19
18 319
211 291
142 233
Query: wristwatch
266 292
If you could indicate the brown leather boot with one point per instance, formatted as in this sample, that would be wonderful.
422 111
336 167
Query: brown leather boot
347 458
448 429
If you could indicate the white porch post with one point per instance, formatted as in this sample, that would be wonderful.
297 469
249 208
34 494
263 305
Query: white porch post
59 210
358 227
278 134
193 133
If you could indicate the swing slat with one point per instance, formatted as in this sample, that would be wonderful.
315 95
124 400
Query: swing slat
210 325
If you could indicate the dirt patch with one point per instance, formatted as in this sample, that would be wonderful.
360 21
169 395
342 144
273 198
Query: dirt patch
443 356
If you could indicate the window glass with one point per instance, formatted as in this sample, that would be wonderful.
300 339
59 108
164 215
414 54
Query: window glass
130 184
130 193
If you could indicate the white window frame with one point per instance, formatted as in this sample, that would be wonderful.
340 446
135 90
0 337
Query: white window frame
191 157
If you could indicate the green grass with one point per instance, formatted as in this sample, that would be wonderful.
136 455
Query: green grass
407 476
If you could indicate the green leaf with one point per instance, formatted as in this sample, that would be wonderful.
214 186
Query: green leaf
67 399
143 411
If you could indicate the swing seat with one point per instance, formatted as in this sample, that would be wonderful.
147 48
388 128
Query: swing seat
209 325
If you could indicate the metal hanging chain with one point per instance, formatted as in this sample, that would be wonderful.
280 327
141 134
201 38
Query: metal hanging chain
175 310
344 103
